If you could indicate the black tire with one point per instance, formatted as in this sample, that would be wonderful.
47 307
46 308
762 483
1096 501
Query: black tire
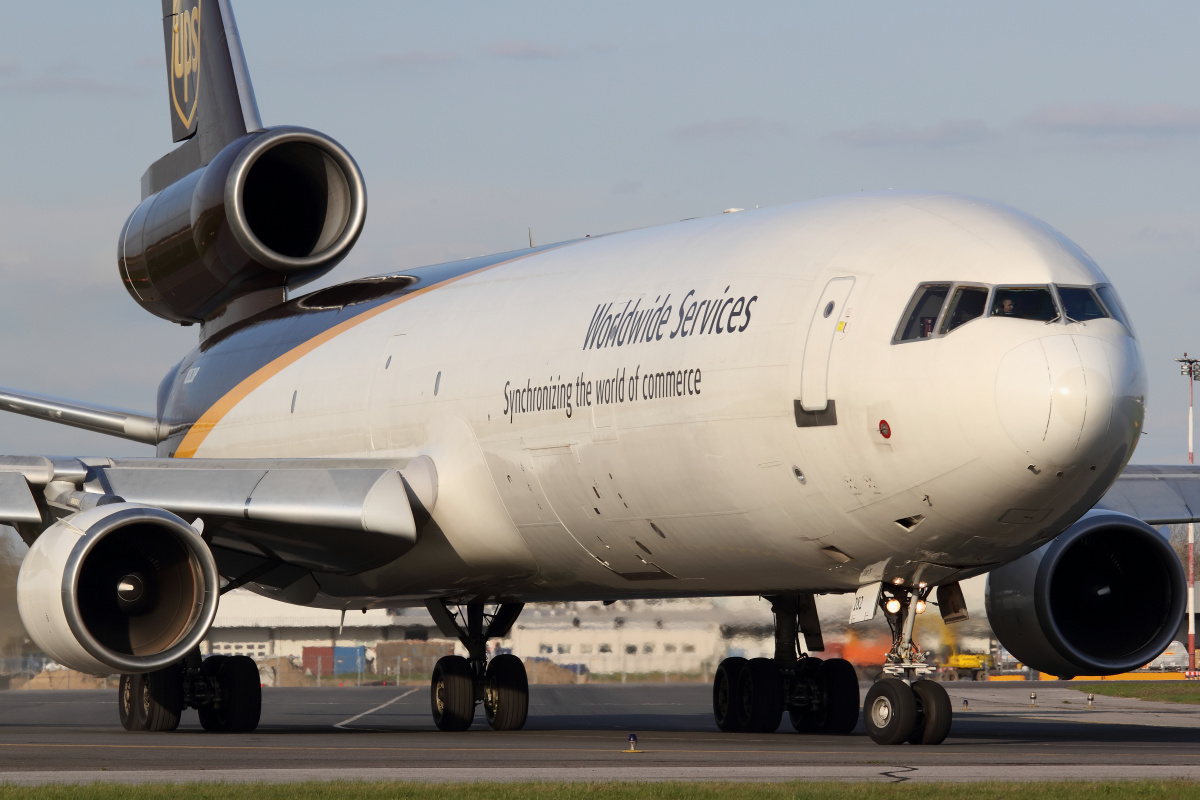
239 695
803 719
839 683
759 697
161 699
890 711
210 720
725 683
452 694
129 695
507 703
934 713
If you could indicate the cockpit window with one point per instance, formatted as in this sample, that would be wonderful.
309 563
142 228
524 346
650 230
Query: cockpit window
1025 302
1113 305
968 303
1080 304
923 311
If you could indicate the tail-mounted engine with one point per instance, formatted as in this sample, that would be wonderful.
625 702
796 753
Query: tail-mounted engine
275 209
118 588
1106 596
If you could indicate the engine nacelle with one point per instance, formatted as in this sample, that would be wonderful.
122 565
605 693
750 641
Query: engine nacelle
275 209
1106 596
118 588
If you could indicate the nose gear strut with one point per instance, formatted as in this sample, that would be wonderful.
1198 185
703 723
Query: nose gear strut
900 706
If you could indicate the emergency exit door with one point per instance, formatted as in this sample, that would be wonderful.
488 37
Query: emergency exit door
814 374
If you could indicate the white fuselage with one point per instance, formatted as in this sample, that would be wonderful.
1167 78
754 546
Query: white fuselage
669 460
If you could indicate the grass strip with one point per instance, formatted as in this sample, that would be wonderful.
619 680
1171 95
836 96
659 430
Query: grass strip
615 790
1167 691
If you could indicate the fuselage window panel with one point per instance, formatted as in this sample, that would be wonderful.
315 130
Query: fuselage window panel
1080 304
1025 302
920 319
968 303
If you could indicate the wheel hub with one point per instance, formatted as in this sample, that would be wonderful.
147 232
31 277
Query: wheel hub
881 712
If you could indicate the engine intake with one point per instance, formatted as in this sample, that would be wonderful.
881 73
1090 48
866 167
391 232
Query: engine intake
118 588
1106 596
275 209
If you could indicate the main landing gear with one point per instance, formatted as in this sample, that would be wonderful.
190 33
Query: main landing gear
820 696
459 684
901 707
225 690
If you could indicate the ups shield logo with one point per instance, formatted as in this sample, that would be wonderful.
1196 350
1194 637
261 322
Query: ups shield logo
182 30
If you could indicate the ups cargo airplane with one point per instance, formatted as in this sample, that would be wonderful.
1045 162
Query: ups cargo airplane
879 394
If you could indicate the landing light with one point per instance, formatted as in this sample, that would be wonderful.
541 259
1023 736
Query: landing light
893 606
920 606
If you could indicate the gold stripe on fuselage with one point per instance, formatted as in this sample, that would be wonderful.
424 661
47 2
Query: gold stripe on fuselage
209 419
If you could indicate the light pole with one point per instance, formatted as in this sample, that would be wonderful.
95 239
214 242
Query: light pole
1187 368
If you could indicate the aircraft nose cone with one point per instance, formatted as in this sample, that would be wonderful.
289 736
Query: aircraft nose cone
1056 396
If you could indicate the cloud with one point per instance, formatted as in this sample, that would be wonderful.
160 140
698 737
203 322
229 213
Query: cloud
946 134
730 129
625 186
524 50
9 68
1131 124
1176 237
406 60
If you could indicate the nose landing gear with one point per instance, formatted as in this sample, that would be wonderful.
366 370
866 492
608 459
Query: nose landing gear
820 696
458 684
903 707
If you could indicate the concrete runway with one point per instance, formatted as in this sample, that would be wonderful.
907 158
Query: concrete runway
578 733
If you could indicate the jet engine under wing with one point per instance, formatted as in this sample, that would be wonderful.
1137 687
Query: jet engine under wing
1159 495
327 515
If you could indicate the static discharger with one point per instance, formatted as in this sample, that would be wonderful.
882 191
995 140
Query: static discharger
633 748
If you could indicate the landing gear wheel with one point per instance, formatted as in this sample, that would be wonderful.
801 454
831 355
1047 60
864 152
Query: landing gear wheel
238 705
803 719
725 684
839 682
934 713
129 695
160 701
452 694
759 696
506 700
890 711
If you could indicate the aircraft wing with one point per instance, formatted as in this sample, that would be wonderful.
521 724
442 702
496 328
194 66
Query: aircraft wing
258 515
1159 495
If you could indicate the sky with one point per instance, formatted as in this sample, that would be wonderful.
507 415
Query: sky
475 121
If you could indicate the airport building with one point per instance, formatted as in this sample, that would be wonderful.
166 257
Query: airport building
689 637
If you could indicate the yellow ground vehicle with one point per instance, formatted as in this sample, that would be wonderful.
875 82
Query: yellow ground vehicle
969 666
